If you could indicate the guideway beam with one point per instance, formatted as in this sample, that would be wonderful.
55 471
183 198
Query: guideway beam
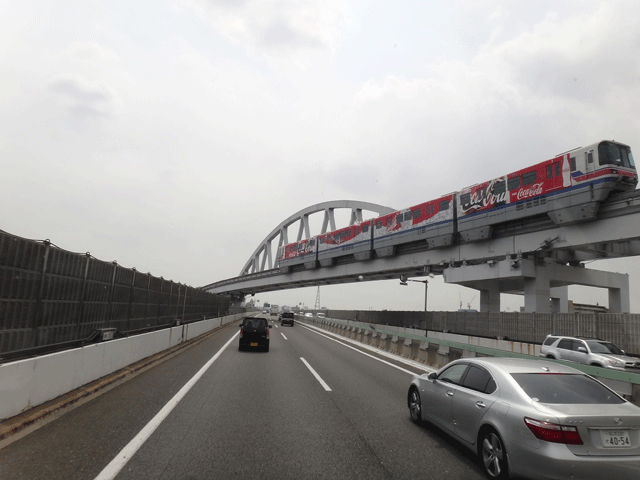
540 280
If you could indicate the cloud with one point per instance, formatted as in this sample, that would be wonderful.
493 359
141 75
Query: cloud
283 28
82 97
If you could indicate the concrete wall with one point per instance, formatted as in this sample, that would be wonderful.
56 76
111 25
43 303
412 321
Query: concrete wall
31 382
436 349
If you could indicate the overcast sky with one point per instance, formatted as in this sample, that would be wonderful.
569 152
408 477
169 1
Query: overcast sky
174 135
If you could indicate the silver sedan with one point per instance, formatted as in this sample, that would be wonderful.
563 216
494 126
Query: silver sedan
531 418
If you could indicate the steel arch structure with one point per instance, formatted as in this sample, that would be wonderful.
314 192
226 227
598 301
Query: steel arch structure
262 258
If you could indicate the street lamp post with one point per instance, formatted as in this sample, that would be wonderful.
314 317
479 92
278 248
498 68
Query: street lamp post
404 280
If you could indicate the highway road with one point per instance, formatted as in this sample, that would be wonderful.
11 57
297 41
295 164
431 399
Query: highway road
314 406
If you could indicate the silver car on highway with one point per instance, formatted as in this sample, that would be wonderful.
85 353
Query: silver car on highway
531 418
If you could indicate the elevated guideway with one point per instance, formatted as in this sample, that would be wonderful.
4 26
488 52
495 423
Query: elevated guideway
530 257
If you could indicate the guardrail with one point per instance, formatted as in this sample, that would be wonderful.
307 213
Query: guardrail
436 349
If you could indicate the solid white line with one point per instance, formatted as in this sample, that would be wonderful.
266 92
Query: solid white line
283 336
315 374
114 467
311 328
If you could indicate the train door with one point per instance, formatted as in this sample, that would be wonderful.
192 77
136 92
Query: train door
589 160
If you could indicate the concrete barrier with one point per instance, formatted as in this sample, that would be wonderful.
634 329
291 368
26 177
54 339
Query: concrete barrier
27 383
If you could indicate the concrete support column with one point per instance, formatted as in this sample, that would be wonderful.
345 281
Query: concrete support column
560 300
490 298
537 293
619 301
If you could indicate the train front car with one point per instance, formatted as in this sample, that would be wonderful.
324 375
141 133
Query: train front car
568 188
297 253
432 221
352 240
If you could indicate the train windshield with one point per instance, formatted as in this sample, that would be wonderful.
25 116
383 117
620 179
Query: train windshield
615 154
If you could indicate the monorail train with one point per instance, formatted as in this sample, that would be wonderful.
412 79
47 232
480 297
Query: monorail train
568 188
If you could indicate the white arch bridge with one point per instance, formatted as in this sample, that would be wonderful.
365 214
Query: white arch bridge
537 258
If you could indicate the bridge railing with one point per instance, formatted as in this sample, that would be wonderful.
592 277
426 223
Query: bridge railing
52 297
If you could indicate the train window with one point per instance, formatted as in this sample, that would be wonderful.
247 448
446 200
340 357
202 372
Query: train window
557 169
529 178
416 213
613 154
399 218
589 156
378 224
312 242
572 161
513 183
465 199
498 188
365 228
444 205
407 216
549 171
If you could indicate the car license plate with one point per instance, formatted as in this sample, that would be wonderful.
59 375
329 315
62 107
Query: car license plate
255 344
615 438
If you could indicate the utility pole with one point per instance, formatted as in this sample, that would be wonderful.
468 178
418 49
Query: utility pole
317 306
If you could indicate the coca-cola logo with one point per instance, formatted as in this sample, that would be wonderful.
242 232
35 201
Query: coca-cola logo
531 191
481 199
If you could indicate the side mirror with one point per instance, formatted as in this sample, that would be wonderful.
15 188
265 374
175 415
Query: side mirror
582 350
432 376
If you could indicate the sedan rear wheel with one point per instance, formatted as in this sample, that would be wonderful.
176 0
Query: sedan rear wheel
493 456
415 406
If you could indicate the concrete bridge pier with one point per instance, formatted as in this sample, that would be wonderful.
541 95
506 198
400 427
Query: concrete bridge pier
544 284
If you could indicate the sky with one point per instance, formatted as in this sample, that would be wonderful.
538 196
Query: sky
174 135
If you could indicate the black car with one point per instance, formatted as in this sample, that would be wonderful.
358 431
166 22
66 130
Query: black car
286 318
254 333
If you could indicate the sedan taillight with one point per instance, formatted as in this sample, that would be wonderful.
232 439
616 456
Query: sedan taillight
554 433
241 331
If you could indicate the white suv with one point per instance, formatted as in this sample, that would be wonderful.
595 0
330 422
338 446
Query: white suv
589 351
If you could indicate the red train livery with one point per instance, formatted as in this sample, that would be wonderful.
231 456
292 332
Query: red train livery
568 189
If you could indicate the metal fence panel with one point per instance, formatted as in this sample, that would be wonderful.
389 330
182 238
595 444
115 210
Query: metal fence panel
621 329
50 296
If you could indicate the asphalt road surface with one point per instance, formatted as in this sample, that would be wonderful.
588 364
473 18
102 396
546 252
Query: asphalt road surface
313 407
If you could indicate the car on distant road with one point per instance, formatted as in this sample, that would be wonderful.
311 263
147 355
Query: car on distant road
286 318
589 351
308 314
531 418
254 333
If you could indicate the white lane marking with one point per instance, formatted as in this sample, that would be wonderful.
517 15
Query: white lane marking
315 374
283 336
114 467
312 329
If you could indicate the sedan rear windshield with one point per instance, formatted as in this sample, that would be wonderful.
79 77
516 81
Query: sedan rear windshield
565 389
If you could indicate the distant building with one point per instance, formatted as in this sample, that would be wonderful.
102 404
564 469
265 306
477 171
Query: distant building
584 308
